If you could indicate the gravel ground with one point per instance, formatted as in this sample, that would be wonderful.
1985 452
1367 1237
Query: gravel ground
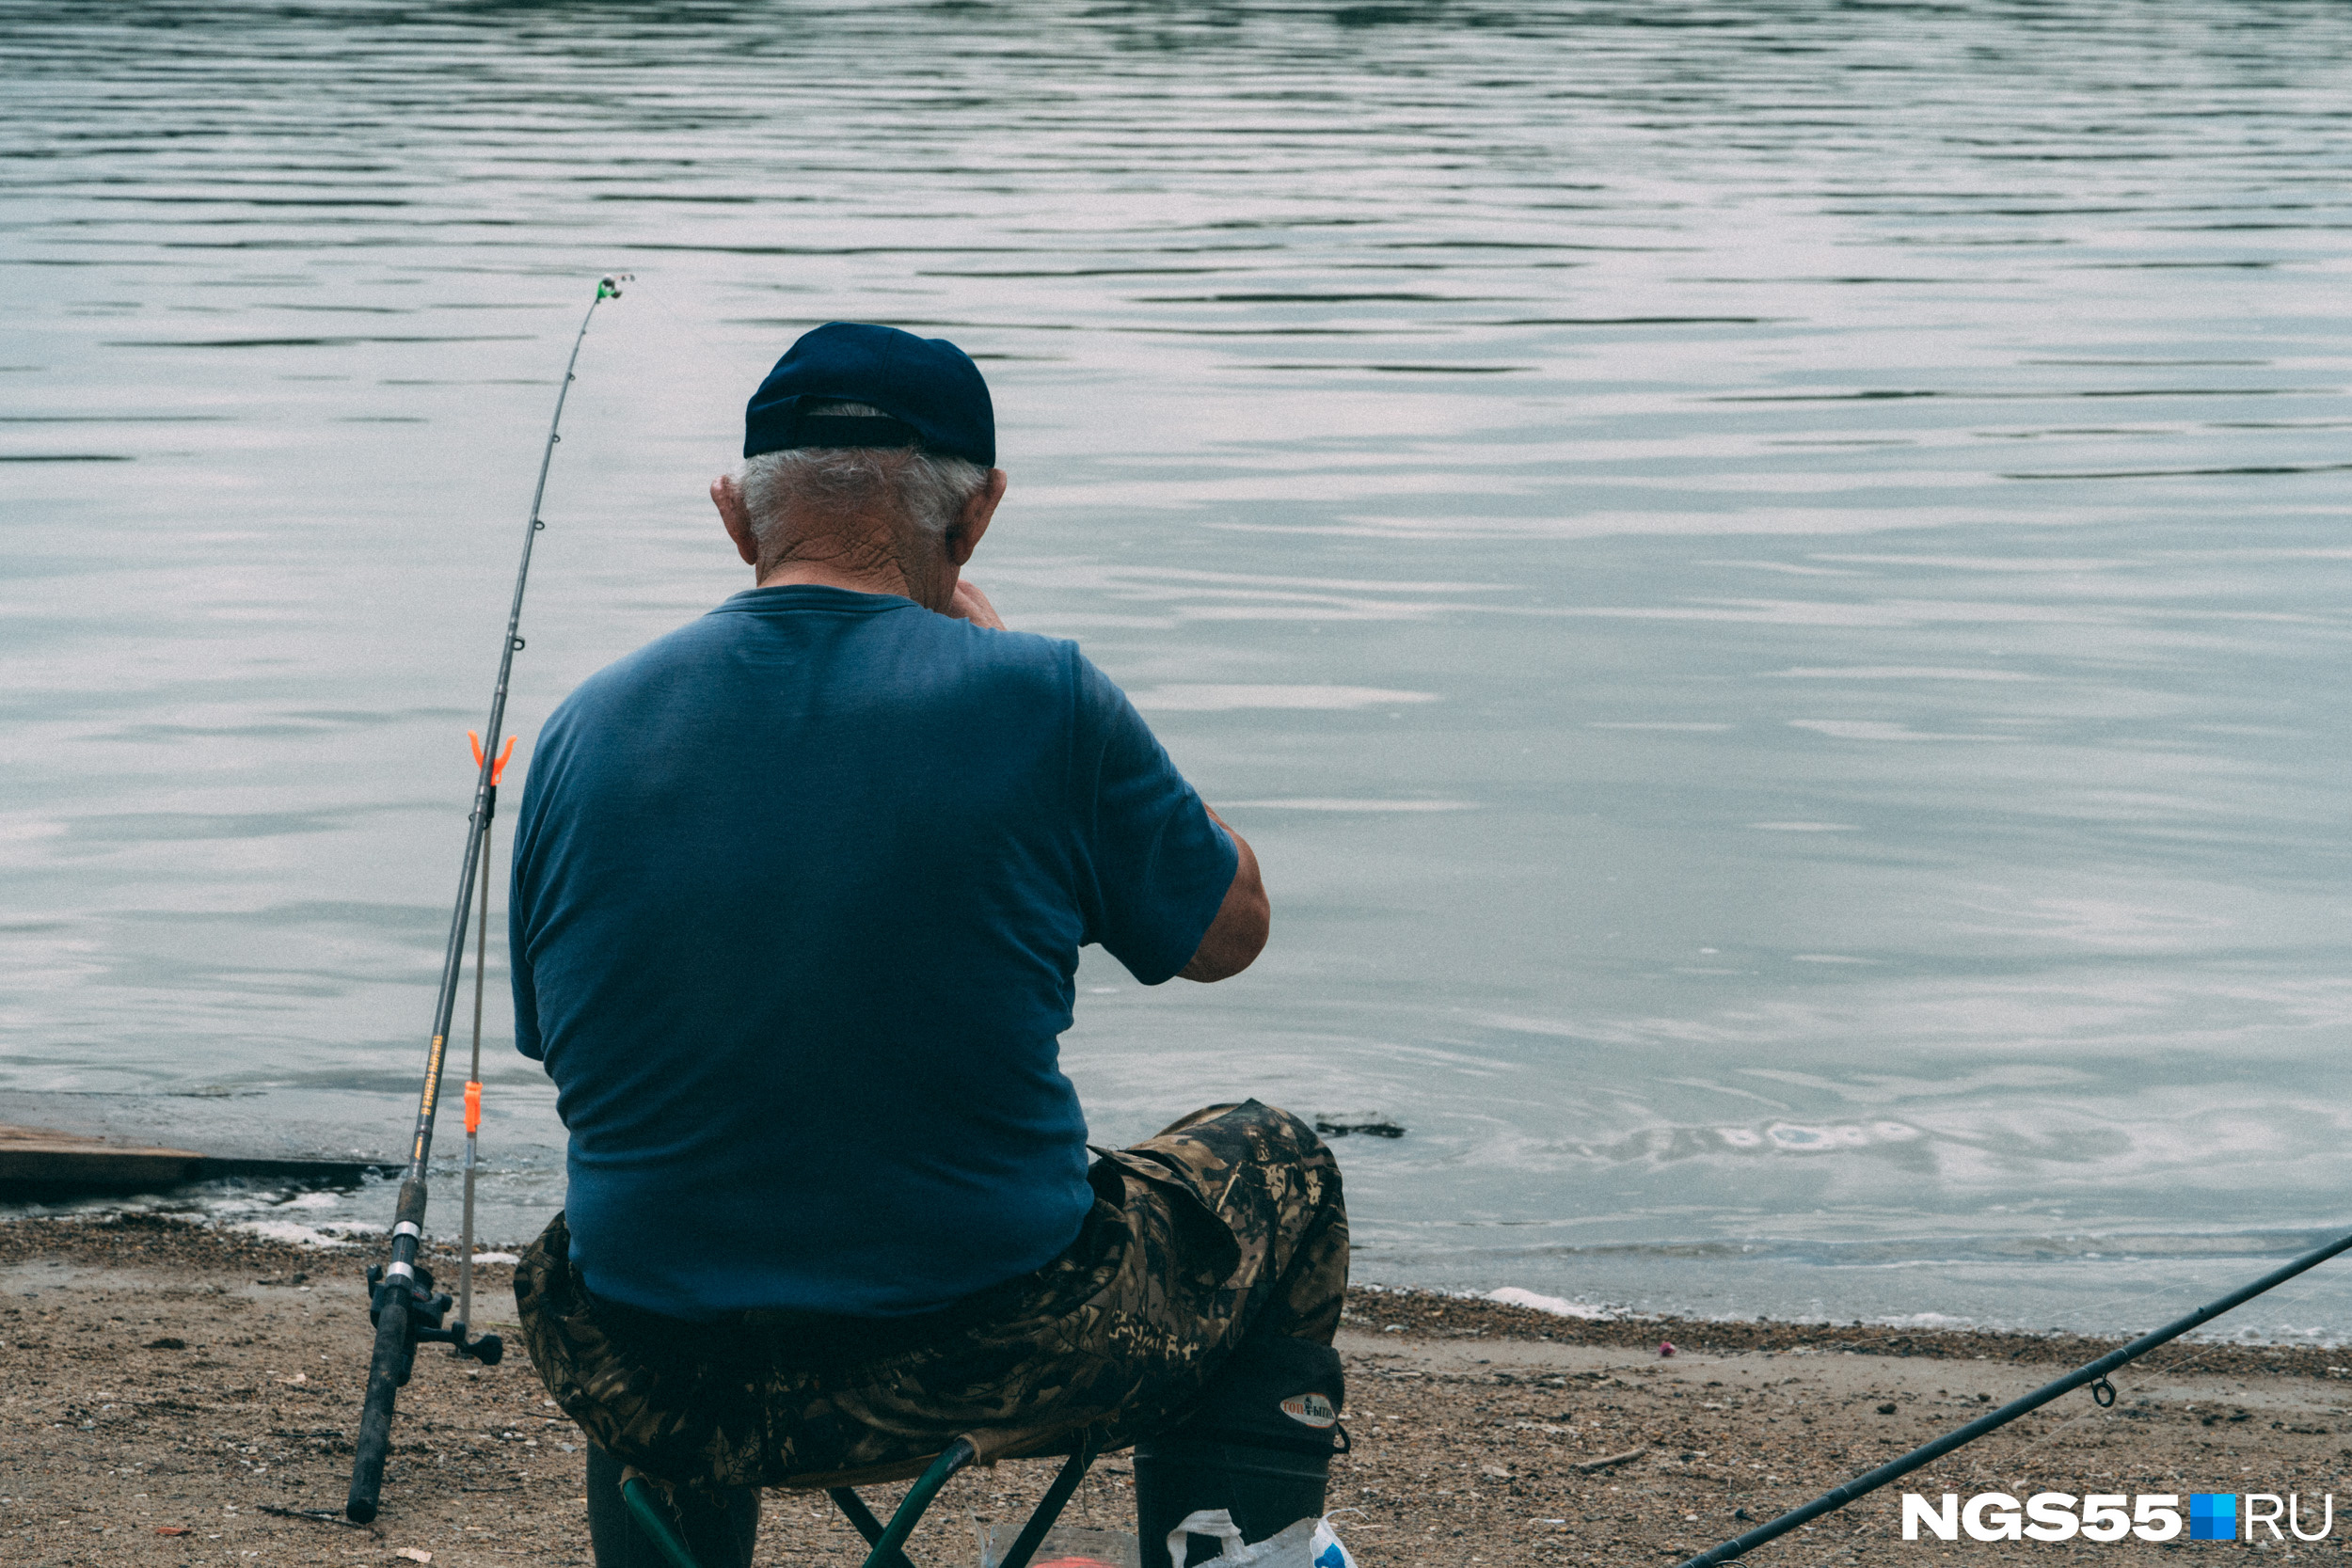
172 1394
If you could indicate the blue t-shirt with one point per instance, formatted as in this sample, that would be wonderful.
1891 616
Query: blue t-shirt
799 892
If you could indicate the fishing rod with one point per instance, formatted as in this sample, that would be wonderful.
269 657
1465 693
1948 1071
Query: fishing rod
2094 1373
402 1302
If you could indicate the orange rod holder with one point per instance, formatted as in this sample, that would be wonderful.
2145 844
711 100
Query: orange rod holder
497 768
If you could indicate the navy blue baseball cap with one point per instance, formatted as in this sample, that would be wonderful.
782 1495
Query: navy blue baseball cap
929 392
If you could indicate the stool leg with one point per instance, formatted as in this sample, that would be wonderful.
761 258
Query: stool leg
960 1453
853 1508
648 1528
638 1492
1049 1507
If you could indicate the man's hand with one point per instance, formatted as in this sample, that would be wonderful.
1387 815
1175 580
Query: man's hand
1237 935
970 603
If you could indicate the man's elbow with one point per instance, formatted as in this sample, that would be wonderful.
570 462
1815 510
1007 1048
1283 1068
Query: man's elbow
1234 939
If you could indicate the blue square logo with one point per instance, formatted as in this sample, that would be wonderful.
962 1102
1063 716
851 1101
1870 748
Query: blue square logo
2213 1516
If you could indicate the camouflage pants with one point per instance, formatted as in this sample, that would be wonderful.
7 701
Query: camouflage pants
1228 1224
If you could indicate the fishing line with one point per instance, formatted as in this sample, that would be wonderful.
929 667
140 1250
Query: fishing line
725 360
402 1304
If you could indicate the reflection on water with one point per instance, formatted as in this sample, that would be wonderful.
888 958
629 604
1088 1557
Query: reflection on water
1767 581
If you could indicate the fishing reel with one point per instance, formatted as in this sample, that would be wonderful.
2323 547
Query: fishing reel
426 1309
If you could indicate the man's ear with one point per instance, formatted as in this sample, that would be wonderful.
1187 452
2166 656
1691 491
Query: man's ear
727 496
964 536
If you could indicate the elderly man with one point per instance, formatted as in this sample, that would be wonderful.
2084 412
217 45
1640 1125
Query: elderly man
799 891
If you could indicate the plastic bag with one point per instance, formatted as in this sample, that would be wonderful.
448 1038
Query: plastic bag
1326 1549
1307 1544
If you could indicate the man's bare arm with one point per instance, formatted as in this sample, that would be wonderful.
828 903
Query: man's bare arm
1237 935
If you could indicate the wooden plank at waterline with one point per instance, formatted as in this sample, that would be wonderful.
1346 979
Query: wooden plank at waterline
35 1157
37 1161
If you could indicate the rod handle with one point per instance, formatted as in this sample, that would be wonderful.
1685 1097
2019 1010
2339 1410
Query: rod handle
387 1372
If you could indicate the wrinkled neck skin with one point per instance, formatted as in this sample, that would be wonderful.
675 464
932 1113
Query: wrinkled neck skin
865 555
866 552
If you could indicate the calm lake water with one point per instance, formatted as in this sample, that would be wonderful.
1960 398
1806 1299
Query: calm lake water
1769 580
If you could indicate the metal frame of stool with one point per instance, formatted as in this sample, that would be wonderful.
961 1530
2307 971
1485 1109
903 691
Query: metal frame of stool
888 1541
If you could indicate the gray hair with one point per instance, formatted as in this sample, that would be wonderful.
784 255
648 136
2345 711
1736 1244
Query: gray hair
928 489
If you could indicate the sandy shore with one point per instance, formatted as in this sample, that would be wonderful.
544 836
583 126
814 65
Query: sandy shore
171 1394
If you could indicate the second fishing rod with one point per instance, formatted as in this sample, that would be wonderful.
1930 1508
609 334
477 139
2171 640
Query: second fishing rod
2092 1375
402 1303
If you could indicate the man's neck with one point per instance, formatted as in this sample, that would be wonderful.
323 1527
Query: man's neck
823 574
878 578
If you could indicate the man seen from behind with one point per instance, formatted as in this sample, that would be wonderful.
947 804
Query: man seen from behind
798 892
